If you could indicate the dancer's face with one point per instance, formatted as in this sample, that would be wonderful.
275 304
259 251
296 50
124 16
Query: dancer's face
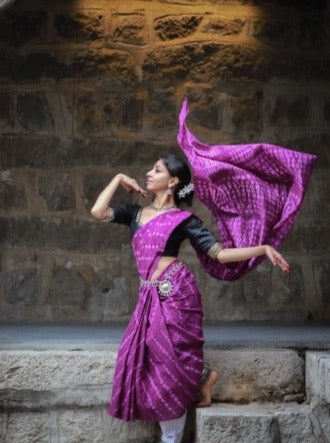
158 178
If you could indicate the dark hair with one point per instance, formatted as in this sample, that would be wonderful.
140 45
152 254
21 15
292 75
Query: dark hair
177 167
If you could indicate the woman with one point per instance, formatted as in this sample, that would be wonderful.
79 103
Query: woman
160 359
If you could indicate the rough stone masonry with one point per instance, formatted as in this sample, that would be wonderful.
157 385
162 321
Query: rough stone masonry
91 88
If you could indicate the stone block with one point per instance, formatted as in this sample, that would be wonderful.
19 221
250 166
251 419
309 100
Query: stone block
223 27
65 234
112 294
318 376
256 375
44 379
22 287
326 111
315 143
68 287
18 28
52 152
161 109
94 183
275 33
254 423
128 28
173 27
80 426
321 270
233 63
118 431
307 236
206 107
246 113
292 110
108 112
26 427
33 111
79 27
311 33
57 191
82 63
6 118
12 196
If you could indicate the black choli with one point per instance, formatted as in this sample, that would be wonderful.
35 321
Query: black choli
191 228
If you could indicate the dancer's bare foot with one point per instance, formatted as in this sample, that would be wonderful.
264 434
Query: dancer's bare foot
206 390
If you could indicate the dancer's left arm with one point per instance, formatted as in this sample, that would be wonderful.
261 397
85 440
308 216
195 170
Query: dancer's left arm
227 255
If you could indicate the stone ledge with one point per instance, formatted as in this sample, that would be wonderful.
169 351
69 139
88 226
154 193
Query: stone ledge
255 423
47 379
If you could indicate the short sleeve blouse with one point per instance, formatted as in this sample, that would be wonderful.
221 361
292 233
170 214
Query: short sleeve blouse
191 228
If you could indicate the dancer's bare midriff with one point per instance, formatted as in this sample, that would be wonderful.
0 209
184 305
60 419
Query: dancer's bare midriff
163 263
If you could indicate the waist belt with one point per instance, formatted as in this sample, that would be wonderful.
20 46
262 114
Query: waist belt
165 287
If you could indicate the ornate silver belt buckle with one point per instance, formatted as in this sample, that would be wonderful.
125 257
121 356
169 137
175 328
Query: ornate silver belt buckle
165 287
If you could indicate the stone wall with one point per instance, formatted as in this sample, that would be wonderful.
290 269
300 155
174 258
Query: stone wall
90 88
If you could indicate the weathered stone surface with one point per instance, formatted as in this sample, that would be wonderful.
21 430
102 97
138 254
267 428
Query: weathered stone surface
21 287
57 190
6 118
199 62
51 152
326 111
33 111
311 33
161 108
127 28
19 28
27 427
86 426
33 379
206 107
251 375
12 196
262 423
317 376
112 294
108 112
79 27
68 288
131 432
274 33
307 236
316 143
321 271
289 110
246 113
65 234
221 26
77 64
172 27
320 416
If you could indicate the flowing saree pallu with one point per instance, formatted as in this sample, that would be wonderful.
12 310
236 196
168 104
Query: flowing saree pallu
254 192
160 358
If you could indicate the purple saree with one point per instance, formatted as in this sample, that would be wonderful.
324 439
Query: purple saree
254 192
160 358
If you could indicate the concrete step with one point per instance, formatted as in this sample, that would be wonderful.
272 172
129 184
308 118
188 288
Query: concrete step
258 423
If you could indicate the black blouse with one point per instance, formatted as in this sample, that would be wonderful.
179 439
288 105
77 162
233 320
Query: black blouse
191 228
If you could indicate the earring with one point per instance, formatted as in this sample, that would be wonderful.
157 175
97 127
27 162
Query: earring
169 191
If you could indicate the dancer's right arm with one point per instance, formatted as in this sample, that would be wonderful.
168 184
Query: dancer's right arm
99 210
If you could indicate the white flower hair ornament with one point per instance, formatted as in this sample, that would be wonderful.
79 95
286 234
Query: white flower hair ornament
186 190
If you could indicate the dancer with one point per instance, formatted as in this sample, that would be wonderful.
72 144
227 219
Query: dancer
160 367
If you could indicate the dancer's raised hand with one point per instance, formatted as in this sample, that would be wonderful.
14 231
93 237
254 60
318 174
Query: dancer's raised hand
277 259
130 184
